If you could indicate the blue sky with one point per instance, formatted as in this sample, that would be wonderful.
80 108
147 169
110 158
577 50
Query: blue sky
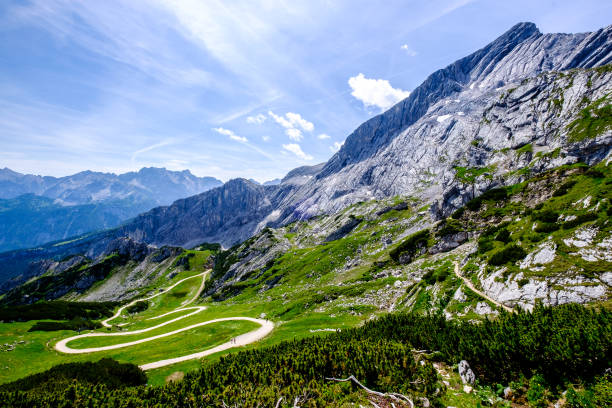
227 88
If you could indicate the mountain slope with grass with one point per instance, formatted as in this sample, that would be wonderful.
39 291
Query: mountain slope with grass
456 253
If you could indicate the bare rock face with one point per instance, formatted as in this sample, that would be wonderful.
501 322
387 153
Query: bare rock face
551 291
448 242
466 373
464 115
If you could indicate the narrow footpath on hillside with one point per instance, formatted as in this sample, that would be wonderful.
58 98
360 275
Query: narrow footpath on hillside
470 285
242 340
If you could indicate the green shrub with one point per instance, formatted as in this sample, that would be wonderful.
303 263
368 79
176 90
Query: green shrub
138 307
532 237
494 195
106 371
598 394
579 220
451 226
439 274
510 253
207 246
546 227
522 282
503 236
458 213
545 216
75 324
411 244
594 173
57 310
485 244
565 187
492 230
537 394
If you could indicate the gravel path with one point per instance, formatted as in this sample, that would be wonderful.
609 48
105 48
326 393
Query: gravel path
122 308
242 340
482 294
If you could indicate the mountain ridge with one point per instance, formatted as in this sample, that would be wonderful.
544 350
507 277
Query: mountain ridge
39 209
88 186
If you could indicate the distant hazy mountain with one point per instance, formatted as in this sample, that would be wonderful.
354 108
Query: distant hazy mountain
273 182
39 209
158 185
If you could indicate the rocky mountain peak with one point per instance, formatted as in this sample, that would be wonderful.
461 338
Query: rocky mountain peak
521 52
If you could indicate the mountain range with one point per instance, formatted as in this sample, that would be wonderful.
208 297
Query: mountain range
39 209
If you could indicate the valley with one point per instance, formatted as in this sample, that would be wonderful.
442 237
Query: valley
456 251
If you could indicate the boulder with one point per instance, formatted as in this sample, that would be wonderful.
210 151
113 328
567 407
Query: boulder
466 373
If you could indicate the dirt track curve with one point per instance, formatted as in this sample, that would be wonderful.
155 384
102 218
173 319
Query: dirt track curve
242 340
480 293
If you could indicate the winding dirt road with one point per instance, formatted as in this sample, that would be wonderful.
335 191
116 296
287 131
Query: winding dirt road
122 308
242 340
482 294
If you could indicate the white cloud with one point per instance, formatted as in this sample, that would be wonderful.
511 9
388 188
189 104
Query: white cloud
297 120
231 134
265 138
293 123
256 120
336 146
323 136
297 150
409 51
294 134
280 120
375 92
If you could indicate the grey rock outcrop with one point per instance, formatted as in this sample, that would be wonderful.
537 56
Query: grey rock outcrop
466 373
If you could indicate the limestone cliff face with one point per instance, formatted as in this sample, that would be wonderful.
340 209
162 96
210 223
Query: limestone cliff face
411 148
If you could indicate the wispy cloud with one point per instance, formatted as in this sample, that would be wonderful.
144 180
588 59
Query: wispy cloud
231 134
121 32
297 150
151 147
323 136
409 51
256 120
